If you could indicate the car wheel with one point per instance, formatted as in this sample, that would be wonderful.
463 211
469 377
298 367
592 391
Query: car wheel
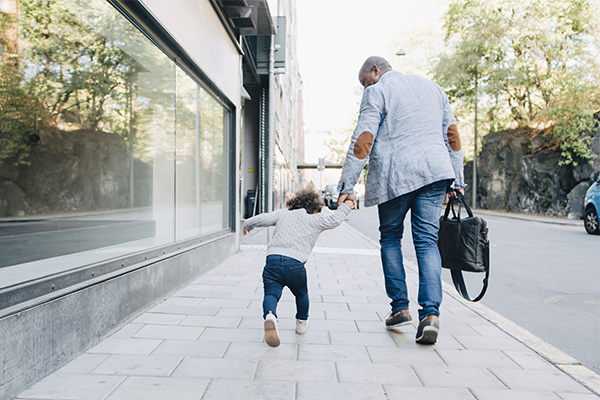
591 222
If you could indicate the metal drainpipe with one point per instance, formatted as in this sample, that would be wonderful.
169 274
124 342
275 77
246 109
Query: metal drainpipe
271 152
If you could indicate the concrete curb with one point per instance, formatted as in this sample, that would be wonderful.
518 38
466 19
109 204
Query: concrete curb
534 218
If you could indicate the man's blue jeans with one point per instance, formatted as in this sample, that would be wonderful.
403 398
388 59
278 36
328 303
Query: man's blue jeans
425 205
283 271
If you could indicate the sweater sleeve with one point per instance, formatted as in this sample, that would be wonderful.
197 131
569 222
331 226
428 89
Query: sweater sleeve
265 219
333 220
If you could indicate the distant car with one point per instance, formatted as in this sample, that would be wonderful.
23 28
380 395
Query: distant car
592 206
330 195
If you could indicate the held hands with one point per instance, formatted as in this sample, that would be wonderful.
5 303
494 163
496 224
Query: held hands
348 199
246 231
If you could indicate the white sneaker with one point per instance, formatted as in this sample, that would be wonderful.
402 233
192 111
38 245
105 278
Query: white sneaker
271 335
301 326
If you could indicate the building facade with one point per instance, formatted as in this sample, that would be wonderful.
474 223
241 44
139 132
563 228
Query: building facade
131 132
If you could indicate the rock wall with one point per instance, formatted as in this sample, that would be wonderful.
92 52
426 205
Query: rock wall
518 170
71 171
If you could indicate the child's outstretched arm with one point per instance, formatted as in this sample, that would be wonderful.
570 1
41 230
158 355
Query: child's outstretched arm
265 219
334 220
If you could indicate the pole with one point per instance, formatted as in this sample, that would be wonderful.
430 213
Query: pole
474 201
271 139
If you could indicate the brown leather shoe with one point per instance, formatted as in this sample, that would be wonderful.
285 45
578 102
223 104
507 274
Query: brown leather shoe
428 330
400 318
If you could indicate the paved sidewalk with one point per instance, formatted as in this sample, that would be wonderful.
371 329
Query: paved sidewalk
206 342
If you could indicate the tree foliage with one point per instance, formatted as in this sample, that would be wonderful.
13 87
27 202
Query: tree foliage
526 63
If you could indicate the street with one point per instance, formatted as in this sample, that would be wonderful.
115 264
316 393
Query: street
543 277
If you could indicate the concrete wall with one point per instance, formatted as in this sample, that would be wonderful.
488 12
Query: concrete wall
36 341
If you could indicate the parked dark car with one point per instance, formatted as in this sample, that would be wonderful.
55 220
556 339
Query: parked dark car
592 206
331 194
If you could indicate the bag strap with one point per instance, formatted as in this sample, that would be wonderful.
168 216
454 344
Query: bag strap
459 282
462 200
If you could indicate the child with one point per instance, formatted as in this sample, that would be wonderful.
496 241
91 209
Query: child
295 235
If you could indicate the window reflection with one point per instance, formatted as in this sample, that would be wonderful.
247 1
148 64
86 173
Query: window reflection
106 146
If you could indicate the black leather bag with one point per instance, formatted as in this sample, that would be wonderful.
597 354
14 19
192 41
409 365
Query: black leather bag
464 246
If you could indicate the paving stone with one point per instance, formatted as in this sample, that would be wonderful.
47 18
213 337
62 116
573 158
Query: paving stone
315 352
578 396
345 299
181 301
519 379
114 345
346 391
299 371
496 394
261 351
186 310
483 343
476 357
235 303
332 326
128 330
193 367
84 364
351 315
232 335
201 294
405 356
191 348
169 332
73 387
212 322
159 319
310 337
355 372
137 365
221 389
457 376
361 339
529 360
154 388
400 392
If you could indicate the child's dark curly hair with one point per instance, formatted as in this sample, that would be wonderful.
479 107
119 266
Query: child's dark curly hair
307 199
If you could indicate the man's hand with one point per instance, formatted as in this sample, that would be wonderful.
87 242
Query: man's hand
246 231
451 196
347 196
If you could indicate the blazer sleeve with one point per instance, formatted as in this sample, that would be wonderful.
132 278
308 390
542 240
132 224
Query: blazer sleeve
369 120
453 143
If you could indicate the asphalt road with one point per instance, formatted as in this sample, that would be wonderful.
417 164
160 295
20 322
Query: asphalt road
543 277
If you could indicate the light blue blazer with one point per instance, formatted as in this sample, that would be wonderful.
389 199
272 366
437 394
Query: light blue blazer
408 133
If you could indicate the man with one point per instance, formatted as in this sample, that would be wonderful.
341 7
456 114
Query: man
408 132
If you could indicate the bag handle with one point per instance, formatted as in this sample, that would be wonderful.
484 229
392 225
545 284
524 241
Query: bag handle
460 199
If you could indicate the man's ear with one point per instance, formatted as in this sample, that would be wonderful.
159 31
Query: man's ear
375 70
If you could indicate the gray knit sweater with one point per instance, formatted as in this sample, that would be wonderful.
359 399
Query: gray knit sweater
296 231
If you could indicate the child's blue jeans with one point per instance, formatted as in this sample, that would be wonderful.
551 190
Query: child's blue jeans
283 271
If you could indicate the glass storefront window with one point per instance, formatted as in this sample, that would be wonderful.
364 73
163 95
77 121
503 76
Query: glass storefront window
107 147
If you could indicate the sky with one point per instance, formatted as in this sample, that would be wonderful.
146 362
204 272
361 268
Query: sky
336 36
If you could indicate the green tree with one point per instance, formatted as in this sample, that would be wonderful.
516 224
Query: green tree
528 63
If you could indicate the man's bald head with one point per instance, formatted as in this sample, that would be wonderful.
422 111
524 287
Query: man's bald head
372 70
